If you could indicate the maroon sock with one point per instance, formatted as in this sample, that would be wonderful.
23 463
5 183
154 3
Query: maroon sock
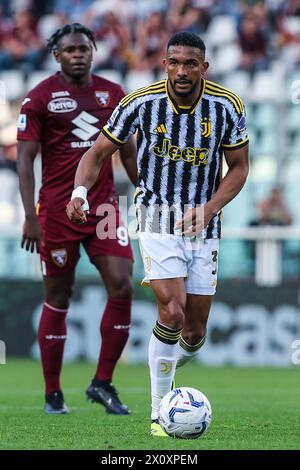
114 331
52 336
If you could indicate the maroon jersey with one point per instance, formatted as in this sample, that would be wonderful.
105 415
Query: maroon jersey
66 121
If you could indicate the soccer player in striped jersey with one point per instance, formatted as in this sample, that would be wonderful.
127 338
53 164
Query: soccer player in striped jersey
184 126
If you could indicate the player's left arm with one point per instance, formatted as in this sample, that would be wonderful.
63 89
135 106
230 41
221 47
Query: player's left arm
238 167
128 158
231 184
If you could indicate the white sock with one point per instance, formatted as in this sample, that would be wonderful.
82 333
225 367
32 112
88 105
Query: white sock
162 363
186 352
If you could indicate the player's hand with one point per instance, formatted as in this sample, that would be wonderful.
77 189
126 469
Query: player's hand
194 221
32 234
75 212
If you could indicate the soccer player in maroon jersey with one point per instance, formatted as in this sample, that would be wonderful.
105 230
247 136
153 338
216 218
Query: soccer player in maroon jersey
63 115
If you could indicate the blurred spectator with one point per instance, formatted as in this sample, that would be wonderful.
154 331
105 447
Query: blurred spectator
4 7
20 44
8 157
152 38
294 8
190 15
272 210
40 8
143 8
5 24
227 7
8 171
116 42
125 9
288 40
278 7
8 142
72 11
253 43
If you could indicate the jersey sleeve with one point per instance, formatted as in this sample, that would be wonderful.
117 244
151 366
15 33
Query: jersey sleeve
31 120
122 123
236 135
120 94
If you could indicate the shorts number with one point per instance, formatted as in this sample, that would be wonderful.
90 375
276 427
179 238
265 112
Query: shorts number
215 262
122 236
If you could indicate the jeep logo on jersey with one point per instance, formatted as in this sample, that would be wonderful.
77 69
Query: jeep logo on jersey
62 105
194 155
85 128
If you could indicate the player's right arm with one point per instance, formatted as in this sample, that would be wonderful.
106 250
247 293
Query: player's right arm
31 121
86 175
31 237
128 159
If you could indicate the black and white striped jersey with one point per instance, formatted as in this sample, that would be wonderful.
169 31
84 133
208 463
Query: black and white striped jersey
179 149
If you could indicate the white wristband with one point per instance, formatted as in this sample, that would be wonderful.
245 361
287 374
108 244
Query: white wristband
81 192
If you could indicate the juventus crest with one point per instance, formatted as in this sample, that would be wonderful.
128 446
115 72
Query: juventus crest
206 127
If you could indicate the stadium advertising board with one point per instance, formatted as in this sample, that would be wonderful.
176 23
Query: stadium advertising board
248 325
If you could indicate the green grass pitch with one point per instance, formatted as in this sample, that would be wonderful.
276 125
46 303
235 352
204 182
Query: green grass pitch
253 408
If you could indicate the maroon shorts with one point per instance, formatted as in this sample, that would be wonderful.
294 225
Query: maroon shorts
62 238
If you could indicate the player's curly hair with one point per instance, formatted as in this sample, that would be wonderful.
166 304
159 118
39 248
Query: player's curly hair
68 29
185 38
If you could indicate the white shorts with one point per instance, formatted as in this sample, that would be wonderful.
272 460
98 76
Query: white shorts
171 256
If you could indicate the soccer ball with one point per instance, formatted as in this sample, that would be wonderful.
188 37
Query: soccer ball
184 412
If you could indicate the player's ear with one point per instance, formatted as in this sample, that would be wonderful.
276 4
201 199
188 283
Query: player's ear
205 66
165 65
57 55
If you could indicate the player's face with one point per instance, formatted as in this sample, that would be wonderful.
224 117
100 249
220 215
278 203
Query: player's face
185 66
75 54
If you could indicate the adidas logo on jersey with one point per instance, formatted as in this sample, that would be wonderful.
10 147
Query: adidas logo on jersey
161 129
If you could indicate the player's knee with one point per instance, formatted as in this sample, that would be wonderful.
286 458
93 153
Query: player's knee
60 298
173 315
121 288
194 337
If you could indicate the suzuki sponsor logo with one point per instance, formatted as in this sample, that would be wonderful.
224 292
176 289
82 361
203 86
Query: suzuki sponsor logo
82 144
62 105
85 129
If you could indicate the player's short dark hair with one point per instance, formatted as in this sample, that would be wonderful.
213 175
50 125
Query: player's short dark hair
185 38
68 29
